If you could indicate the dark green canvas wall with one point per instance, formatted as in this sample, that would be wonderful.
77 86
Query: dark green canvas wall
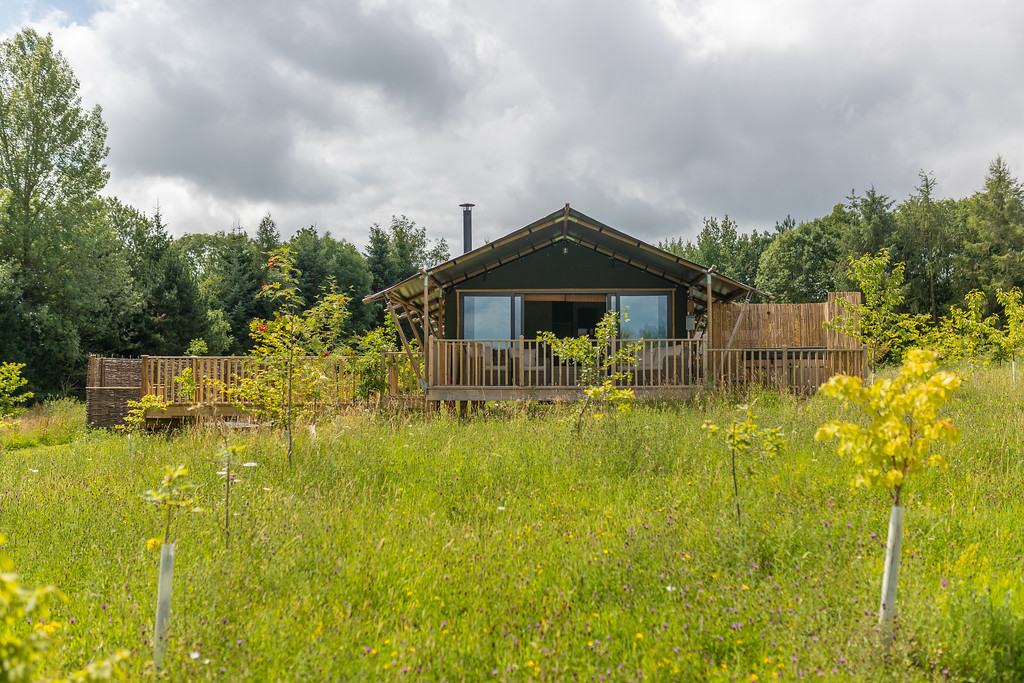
565 266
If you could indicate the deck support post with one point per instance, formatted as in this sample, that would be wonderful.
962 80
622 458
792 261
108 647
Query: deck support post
735 329
426 332
709 379
405 341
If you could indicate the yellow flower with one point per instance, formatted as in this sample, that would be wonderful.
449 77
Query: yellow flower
640 636
154 543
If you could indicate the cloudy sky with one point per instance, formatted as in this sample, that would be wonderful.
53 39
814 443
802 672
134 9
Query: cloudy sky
647 115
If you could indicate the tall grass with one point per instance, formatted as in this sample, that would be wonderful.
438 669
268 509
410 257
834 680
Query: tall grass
505 547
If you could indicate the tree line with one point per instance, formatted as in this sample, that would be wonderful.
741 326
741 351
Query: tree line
949 247
85 273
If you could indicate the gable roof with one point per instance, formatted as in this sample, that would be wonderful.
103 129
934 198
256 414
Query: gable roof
564 225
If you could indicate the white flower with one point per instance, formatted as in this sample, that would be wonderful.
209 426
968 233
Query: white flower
32 470
500 508
194 655
248 464
670 588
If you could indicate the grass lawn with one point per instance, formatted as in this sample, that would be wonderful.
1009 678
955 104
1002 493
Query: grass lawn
507 547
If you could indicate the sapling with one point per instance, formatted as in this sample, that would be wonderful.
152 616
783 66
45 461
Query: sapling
174 492
601 366
135 420
1011 339
226 454
10 381
896 443
742 437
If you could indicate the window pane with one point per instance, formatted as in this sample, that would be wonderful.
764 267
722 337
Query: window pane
648 316
487 317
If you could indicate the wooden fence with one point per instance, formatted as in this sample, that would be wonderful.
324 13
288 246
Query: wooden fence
777 325
800 370
218 378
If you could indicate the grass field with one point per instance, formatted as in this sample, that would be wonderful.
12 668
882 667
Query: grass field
506 547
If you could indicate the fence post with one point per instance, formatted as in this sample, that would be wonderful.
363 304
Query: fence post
787 371
144 378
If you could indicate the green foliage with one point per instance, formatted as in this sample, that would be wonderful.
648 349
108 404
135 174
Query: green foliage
965 333
294 354
720 243
175 491
135 420
10 382
1010 339
876 322
800 264
904 423
197 347
370 355
745 436
602 362
399 251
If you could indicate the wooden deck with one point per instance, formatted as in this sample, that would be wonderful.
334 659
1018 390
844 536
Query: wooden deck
472 370
526 369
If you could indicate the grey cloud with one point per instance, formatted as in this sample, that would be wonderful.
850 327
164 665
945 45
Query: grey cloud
349 112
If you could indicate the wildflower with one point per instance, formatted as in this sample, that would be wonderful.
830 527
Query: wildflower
154 543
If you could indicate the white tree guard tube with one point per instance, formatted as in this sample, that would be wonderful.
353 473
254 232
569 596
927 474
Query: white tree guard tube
891 577
163 604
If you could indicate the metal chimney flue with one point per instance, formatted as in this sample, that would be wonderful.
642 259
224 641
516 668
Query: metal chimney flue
467 227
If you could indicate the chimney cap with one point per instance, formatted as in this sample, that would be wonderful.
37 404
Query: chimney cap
467 206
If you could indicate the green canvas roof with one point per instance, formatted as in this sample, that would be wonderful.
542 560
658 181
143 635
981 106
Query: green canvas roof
564 225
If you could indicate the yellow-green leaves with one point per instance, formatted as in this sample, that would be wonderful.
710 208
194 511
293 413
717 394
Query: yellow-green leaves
903 422
10 381
175 488
175 491
743 436
136 417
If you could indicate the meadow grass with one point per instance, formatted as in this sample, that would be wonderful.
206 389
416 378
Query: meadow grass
506 547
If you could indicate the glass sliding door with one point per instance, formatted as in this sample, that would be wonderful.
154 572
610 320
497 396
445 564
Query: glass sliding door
492 316
647 315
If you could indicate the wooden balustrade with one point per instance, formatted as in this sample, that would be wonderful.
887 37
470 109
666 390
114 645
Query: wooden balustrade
660 363
801 370
511 368
216 377
529 363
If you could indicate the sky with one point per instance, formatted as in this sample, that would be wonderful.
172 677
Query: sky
647 115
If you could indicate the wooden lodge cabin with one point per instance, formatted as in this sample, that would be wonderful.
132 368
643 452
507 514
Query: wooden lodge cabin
479 315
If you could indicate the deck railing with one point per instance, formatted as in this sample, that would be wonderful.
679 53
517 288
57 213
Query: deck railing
217 377
528 363
786 368
660 363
